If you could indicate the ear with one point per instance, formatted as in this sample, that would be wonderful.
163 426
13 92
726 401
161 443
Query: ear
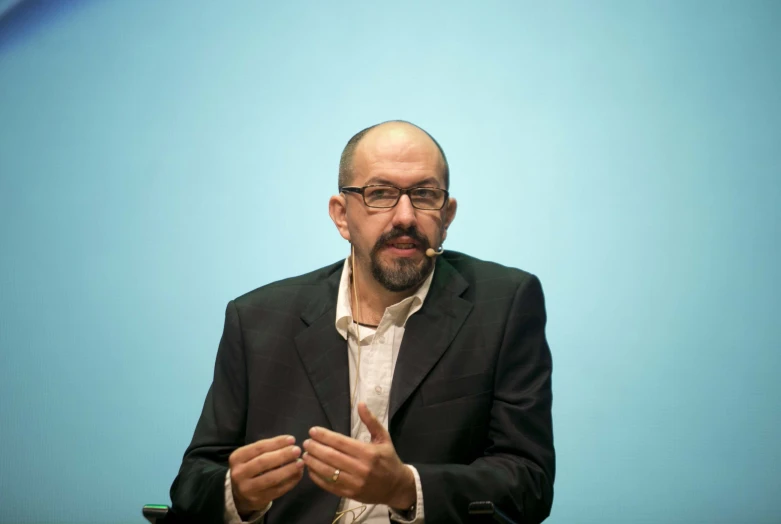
337 208
450 215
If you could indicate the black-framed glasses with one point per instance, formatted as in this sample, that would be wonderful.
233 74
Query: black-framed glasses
381 196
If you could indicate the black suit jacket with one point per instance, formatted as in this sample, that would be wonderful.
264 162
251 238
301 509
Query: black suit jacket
470 402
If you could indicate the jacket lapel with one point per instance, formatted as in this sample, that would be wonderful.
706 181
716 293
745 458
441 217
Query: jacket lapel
323 353
429 332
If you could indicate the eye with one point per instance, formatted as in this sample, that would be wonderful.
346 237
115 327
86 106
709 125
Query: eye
381 196
426 193
380 192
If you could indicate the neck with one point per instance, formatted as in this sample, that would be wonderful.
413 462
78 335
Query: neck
373 298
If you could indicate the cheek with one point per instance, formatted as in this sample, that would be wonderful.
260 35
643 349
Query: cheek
432 227
364 233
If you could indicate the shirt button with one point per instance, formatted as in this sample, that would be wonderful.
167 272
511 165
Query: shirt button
378 389
365 438
381 340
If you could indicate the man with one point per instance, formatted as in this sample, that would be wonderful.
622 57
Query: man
396 386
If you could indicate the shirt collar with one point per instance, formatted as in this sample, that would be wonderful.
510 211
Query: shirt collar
401 311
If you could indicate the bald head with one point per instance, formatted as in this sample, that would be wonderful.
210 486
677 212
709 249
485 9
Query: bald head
394 134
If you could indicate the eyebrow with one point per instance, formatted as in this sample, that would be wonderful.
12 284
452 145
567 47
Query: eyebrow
384 181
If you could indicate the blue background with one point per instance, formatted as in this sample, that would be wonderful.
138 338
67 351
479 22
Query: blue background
160 158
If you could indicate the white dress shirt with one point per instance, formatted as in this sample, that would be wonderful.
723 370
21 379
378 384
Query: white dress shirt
379 350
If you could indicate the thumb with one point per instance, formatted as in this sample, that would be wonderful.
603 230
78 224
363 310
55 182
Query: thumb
379 434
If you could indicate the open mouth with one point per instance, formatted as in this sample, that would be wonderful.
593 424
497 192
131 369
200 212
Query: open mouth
403 246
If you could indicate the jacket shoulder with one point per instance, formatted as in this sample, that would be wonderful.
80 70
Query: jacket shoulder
288 292
475 270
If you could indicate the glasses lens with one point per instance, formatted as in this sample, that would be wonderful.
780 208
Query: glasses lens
427 198
381 196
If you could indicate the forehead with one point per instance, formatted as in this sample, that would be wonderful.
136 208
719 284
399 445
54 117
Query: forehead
399 154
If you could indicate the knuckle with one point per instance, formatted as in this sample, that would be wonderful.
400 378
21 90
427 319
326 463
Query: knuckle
237 473
255 467
264 461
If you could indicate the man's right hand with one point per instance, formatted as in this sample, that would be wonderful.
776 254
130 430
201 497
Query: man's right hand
264 471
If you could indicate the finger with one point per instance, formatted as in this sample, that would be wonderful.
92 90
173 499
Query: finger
346 445
325 473
272 480
250 451
283 487
330 487
333 457
267 461
378 432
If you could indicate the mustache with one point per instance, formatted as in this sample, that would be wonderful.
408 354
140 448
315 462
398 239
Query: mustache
398 232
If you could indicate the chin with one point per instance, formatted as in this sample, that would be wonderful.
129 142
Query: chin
401 274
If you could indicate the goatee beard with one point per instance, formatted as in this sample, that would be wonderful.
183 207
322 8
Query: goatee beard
400 274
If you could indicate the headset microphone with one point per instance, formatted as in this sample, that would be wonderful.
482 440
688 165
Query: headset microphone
431 253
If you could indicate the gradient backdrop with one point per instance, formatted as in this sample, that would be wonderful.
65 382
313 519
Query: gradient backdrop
160 158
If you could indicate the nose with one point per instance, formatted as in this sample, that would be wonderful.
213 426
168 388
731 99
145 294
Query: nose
404 213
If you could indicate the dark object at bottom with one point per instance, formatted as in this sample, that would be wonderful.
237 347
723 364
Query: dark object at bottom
157 514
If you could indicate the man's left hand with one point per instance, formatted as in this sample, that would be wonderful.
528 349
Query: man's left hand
371 473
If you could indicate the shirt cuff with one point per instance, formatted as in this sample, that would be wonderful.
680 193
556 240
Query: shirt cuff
232 514
413 516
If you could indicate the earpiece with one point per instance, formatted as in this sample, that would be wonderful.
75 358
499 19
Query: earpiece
431 253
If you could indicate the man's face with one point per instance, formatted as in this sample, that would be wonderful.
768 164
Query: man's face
392 242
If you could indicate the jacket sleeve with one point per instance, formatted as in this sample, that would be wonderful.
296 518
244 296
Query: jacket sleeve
517 470
198 492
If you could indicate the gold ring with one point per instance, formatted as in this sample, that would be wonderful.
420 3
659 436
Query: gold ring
335 476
